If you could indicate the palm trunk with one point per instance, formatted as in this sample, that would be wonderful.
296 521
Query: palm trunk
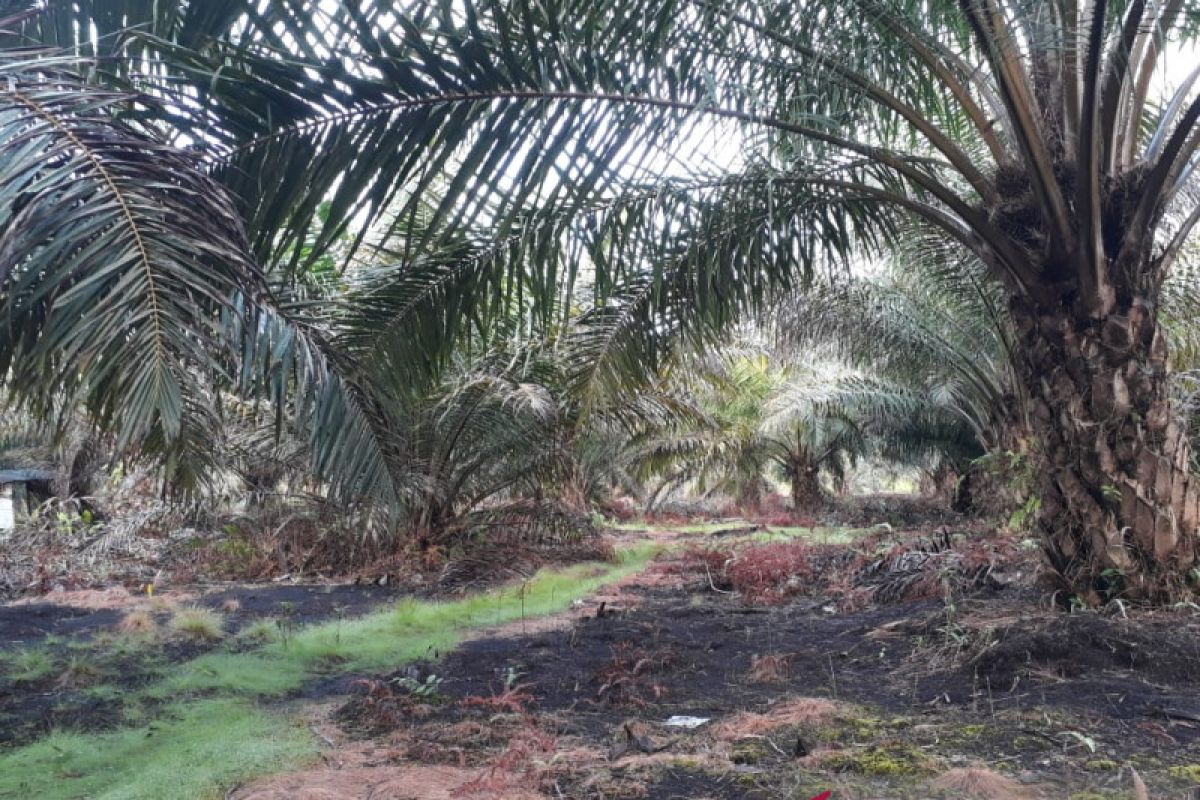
749 497
942 484
807 494
1119 505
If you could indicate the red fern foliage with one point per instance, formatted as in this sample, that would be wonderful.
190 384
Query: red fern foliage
773 572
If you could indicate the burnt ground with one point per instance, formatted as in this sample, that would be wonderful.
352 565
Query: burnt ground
66 667
25 624
884 702
301 603
1059 704
28 623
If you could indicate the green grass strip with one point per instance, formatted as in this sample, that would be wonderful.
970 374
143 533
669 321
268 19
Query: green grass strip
198 748
410 630
194 750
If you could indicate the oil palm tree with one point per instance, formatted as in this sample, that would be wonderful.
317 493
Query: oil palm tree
758 419
932 328
932 323
933 345
1031 133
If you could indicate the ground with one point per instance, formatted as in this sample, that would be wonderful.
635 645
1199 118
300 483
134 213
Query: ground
564 685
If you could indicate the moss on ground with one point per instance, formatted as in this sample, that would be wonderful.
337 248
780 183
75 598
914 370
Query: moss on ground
751 751
884 761
1186 772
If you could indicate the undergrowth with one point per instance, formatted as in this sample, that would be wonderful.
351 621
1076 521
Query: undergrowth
412 629
879 568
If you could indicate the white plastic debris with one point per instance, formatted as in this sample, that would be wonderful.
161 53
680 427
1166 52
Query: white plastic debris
686 722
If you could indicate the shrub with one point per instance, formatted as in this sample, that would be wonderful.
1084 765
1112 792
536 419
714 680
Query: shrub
701 563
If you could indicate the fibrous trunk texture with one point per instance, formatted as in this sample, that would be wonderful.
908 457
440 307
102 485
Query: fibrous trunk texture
1119 505
807 494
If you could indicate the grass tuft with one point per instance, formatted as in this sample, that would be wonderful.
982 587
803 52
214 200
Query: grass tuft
138 623
78 673
262 630
28 665
198 624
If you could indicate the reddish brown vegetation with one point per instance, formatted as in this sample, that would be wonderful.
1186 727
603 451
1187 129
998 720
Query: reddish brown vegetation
771 573
513 700
769 668
980 783
524 764
629 678
883 568
381 708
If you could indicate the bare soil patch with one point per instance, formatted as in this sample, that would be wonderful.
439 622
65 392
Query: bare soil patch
910 700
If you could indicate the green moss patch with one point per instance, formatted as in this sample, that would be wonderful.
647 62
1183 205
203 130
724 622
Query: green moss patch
1186 772
889 760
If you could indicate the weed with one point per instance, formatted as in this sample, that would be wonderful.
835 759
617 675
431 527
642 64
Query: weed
956 636
623 680
158 603
524 764
978 783
428 689
29 665
253 673
707 564
286 624
515 699
78 674
193 750
773 572
238 554
1189 773
198 624
340 611
893 760
138 623
263 630
383 709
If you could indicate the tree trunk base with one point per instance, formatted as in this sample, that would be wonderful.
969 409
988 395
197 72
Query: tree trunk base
1119 507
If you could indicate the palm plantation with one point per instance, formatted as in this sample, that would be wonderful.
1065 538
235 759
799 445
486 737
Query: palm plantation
760 422
342 338
513 164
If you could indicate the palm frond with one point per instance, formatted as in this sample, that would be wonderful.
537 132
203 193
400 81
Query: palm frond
116 253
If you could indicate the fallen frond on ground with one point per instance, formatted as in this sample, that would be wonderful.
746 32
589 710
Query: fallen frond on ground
881 568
